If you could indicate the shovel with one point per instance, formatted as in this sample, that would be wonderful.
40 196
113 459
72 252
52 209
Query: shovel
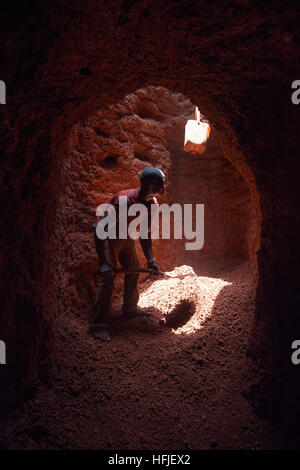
151 271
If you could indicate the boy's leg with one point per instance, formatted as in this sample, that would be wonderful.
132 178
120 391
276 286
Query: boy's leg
129 259
104 292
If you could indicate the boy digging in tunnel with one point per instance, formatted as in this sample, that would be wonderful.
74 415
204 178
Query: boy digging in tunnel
110 250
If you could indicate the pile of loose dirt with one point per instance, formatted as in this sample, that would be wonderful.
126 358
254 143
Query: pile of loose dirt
154 386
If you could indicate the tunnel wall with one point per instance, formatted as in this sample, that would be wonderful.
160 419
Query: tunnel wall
107 153
64 61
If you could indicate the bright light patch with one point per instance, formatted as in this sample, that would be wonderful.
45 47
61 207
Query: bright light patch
171 291
196 135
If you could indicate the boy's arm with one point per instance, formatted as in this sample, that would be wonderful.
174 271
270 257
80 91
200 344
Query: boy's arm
100 245
146 243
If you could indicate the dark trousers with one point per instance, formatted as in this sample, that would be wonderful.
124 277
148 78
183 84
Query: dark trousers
125 252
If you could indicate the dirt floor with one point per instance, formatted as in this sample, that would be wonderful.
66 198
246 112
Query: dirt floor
171 380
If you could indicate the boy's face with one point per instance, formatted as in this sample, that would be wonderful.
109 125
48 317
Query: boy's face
155 187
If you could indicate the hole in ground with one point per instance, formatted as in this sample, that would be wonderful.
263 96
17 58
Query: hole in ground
181 313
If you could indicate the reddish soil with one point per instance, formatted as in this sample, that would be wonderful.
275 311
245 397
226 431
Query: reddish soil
64 61
153 386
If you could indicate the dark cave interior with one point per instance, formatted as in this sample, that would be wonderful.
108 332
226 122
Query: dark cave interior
93 98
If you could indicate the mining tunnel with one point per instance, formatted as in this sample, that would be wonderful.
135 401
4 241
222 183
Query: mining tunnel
108 151
95 101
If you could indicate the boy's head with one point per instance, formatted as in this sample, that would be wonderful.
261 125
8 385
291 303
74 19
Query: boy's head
152 182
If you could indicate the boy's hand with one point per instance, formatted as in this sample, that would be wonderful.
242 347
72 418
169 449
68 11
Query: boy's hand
153 265
107 271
